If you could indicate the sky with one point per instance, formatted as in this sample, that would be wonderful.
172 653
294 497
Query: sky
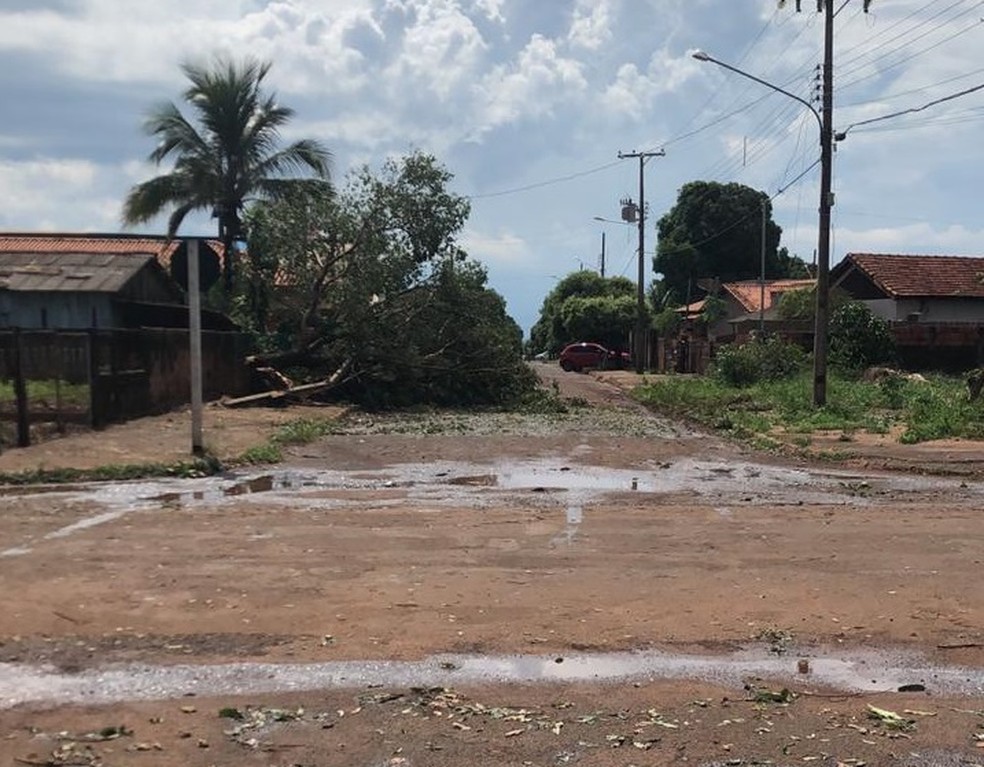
528 103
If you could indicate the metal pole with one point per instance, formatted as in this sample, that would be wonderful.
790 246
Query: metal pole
823 256
762 279
195 346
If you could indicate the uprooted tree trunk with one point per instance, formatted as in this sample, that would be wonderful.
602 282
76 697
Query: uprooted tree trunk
294 393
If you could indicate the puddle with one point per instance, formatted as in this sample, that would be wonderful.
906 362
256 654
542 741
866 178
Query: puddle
548 483
858 672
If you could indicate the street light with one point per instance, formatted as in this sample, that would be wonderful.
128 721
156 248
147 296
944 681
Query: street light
823 244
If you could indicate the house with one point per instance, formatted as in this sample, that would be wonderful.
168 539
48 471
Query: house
934 304
909 288
75 281
744 305
109 311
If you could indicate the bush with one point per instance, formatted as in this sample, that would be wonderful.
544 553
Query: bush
858 338
768 360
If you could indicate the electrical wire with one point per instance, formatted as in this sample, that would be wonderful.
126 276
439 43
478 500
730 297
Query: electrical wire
910 57
913 110
909 92
846 61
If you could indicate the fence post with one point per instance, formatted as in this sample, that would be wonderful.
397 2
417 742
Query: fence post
20 393
95 394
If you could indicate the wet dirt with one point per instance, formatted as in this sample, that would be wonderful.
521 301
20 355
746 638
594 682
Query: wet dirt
661 566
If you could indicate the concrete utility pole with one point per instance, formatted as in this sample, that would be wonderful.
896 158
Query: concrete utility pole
762 276
602 255
195 346
640 332
822 324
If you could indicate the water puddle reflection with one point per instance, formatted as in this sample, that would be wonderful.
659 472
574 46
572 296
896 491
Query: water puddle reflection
858 672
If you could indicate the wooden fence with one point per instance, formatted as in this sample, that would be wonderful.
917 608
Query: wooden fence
51 381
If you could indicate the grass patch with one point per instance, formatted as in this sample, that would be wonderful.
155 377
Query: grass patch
199 467
48 390
301 431
935 409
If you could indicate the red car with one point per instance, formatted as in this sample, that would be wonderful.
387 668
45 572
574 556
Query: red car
586 354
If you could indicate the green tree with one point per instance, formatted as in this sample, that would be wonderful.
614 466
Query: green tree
715 230
371 288
585 307
226 153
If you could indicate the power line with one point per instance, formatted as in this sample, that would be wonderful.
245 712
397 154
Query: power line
909 92
540 184
912 56
913 110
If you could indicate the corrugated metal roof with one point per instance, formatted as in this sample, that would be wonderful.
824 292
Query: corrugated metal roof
74 272
919 276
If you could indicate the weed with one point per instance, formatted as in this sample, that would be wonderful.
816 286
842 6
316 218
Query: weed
301 431
933 410
266 453
200 467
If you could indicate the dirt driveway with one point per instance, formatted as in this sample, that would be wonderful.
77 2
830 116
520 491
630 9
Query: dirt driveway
600 587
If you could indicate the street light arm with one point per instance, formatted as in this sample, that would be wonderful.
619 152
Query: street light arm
702 56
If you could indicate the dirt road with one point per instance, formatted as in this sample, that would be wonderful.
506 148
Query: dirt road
600 587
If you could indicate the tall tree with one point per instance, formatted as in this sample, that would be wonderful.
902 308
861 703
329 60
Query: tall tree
715 231
585 307
228 151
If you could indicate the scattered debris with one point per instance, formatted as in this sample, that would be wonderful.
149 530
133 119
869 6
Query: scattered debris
778 639
890 720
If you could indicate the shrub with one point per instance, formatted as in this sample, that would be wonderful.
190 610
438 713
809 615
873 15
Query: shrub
858 338
768 360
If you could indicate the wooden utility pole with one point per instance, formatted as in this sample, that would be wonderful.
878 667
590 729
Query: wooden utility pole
639 352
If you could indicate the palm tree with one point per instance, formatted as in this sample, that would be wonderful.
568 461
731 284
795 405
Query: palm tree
229 154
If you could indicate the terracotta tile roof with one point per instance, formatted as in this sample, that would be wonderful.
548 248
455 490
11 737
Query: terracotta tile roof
119 244
692 310
919 276
748 293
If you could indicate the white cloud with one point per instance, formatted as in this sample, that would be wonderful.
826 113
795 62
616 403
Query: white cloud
440 51
634 93
539 80
591 25
492 9
503 249
56 194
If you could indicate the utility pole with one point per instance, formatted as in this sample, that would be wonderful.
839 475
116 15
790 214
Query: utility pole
762 277
602 255
826 201
822 323
195 346
640 332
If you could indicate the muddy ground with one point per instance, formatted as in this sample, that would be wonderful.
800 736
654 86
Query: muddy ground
601 587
